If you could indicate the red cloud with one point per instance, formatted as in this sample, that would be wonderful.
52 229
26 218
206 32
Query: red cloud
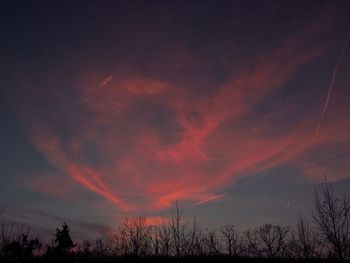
140 142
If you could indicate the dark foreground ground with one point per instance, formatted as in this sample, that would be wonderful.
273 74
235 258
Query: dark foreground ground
219 259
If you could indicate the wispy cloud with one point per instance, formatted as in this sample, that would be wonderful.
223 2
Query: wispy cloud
143 141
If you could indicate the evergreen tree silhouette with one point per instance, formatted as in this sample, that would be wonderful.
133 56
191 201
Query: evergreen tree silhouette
61 247
63 241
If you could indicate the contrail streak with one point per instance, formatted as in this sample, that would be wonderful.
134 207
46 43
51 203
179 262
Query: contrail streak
209 199
330 88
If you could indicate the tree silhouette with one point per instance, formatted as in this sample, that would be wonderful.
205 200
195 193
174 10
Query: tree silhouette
62 245
232 240
333 219
63 241
17 244
327 236
306 240
22 249
272 238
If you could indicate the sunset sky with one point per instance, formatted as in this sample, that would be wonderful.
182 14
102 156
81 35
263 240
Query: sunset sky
235 109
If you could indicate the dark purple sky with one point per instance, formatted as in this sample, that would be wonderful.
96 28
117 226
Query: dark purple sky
235 109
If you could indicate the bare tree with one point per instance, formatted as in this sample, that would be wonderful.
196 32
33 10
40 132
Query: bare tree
16 243
232 240
85 250
164 233
154 238
333 219
134 236
252 241
178 229
196 239
211 243
306 241
272 239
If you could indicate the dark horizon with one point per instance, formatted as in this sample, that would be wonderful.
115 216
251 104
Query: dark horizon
325 237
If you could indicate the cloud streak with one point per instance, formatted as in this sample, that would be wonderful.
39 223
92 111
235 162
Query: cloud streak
140 140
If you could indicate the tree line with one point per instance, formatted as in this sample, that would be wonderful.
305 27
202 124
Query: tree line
324 236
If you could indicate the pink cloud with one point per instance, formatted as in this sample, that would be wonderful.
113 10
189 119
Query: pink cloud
141 142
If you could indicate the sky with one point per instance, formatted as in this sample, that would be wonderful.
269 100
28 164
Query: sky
110 109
